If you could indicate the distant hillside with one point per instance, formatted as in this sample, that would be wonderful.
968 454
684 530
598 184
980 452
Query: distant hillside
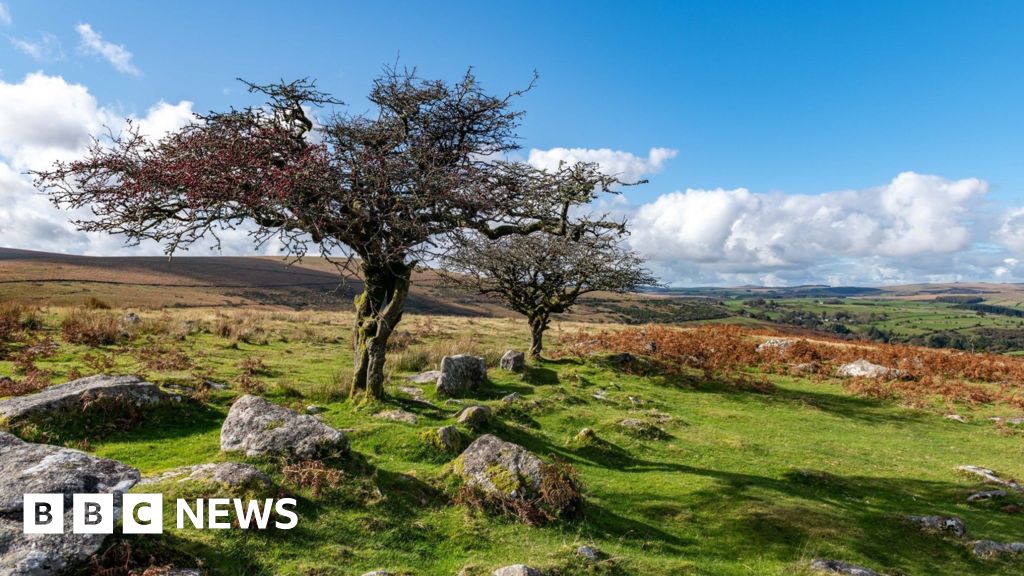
972 316
189 281
186 281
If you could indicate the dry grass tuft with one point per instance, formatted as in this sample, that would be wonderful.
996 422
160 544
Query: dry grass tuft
926 373
248 380
313 475
92 327
162 356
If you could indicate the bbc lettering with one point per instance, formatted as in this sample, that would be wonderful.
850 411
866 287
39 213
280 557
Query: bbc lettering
144 514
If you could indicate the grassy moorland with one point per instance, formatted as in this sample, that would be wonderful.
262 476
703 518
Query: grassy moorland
978 317
742 466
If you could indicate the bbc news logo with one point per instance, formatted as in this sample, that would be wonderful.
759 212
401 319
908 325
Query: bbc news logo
144 514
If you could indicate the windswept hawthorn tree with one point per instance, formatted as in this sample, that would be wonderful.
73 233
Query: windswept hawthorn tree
542 274
386 189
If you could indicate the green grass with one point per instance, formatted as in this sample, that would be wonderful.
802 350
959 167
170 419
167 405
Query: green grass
740 483
902 318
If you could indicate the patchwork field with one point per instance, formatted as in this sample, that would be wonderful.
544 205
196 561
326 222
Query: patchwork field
704 456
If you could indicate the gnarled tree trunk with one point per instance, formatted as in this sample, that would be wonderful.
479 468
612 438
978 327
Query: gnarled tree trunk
378 310
538 324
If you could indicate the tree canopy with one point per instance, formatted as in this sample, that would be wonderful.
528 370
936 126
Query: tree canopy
385 189
540 275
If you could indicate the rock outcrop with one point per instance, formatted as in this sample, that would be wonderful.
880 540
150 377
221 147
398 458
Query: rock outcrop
940 524
230 474
461 374
989 549
864 369
513 361
499 468
475 417
260 428
774 345
517 570
425 377
840 567
76 395
397 416
992 477
39 468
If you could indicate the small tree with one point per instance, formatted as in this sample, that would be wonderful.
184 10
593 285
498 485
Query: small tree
542 274
385 189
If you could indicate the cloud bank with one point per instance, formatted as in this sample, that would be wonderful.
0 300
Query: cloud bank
722 235
43 119
914 228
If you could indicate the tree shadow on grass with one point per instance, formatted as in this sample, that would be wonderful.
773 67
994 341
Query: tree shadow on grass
871 410
856 518
540 376
166 421
492 390
790 518
601 522
840 515
139 552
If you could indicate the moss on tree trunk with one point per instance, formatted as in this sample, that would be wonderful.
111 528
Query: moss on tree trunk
378 311
538 324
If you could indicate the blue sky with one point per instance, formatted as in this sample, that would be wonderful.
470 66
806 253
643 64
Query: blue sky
777 112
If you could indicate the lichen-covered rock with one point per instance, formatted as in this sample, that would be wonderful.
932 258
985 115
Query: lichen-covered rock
517 570
448 438
475 417
987 495
992 477
840 567
585 436
261 428
990 549
74 396
461 374
230 474
499 468
864 369
425 377
774 345
940 524
588 553
641 428
39 468
513 361
412 391
397 416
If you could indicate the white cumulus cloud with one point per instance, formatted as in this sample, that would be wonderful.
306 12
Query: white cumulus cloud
1011 231
893 231
625 165
45 118
5 15
91 42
